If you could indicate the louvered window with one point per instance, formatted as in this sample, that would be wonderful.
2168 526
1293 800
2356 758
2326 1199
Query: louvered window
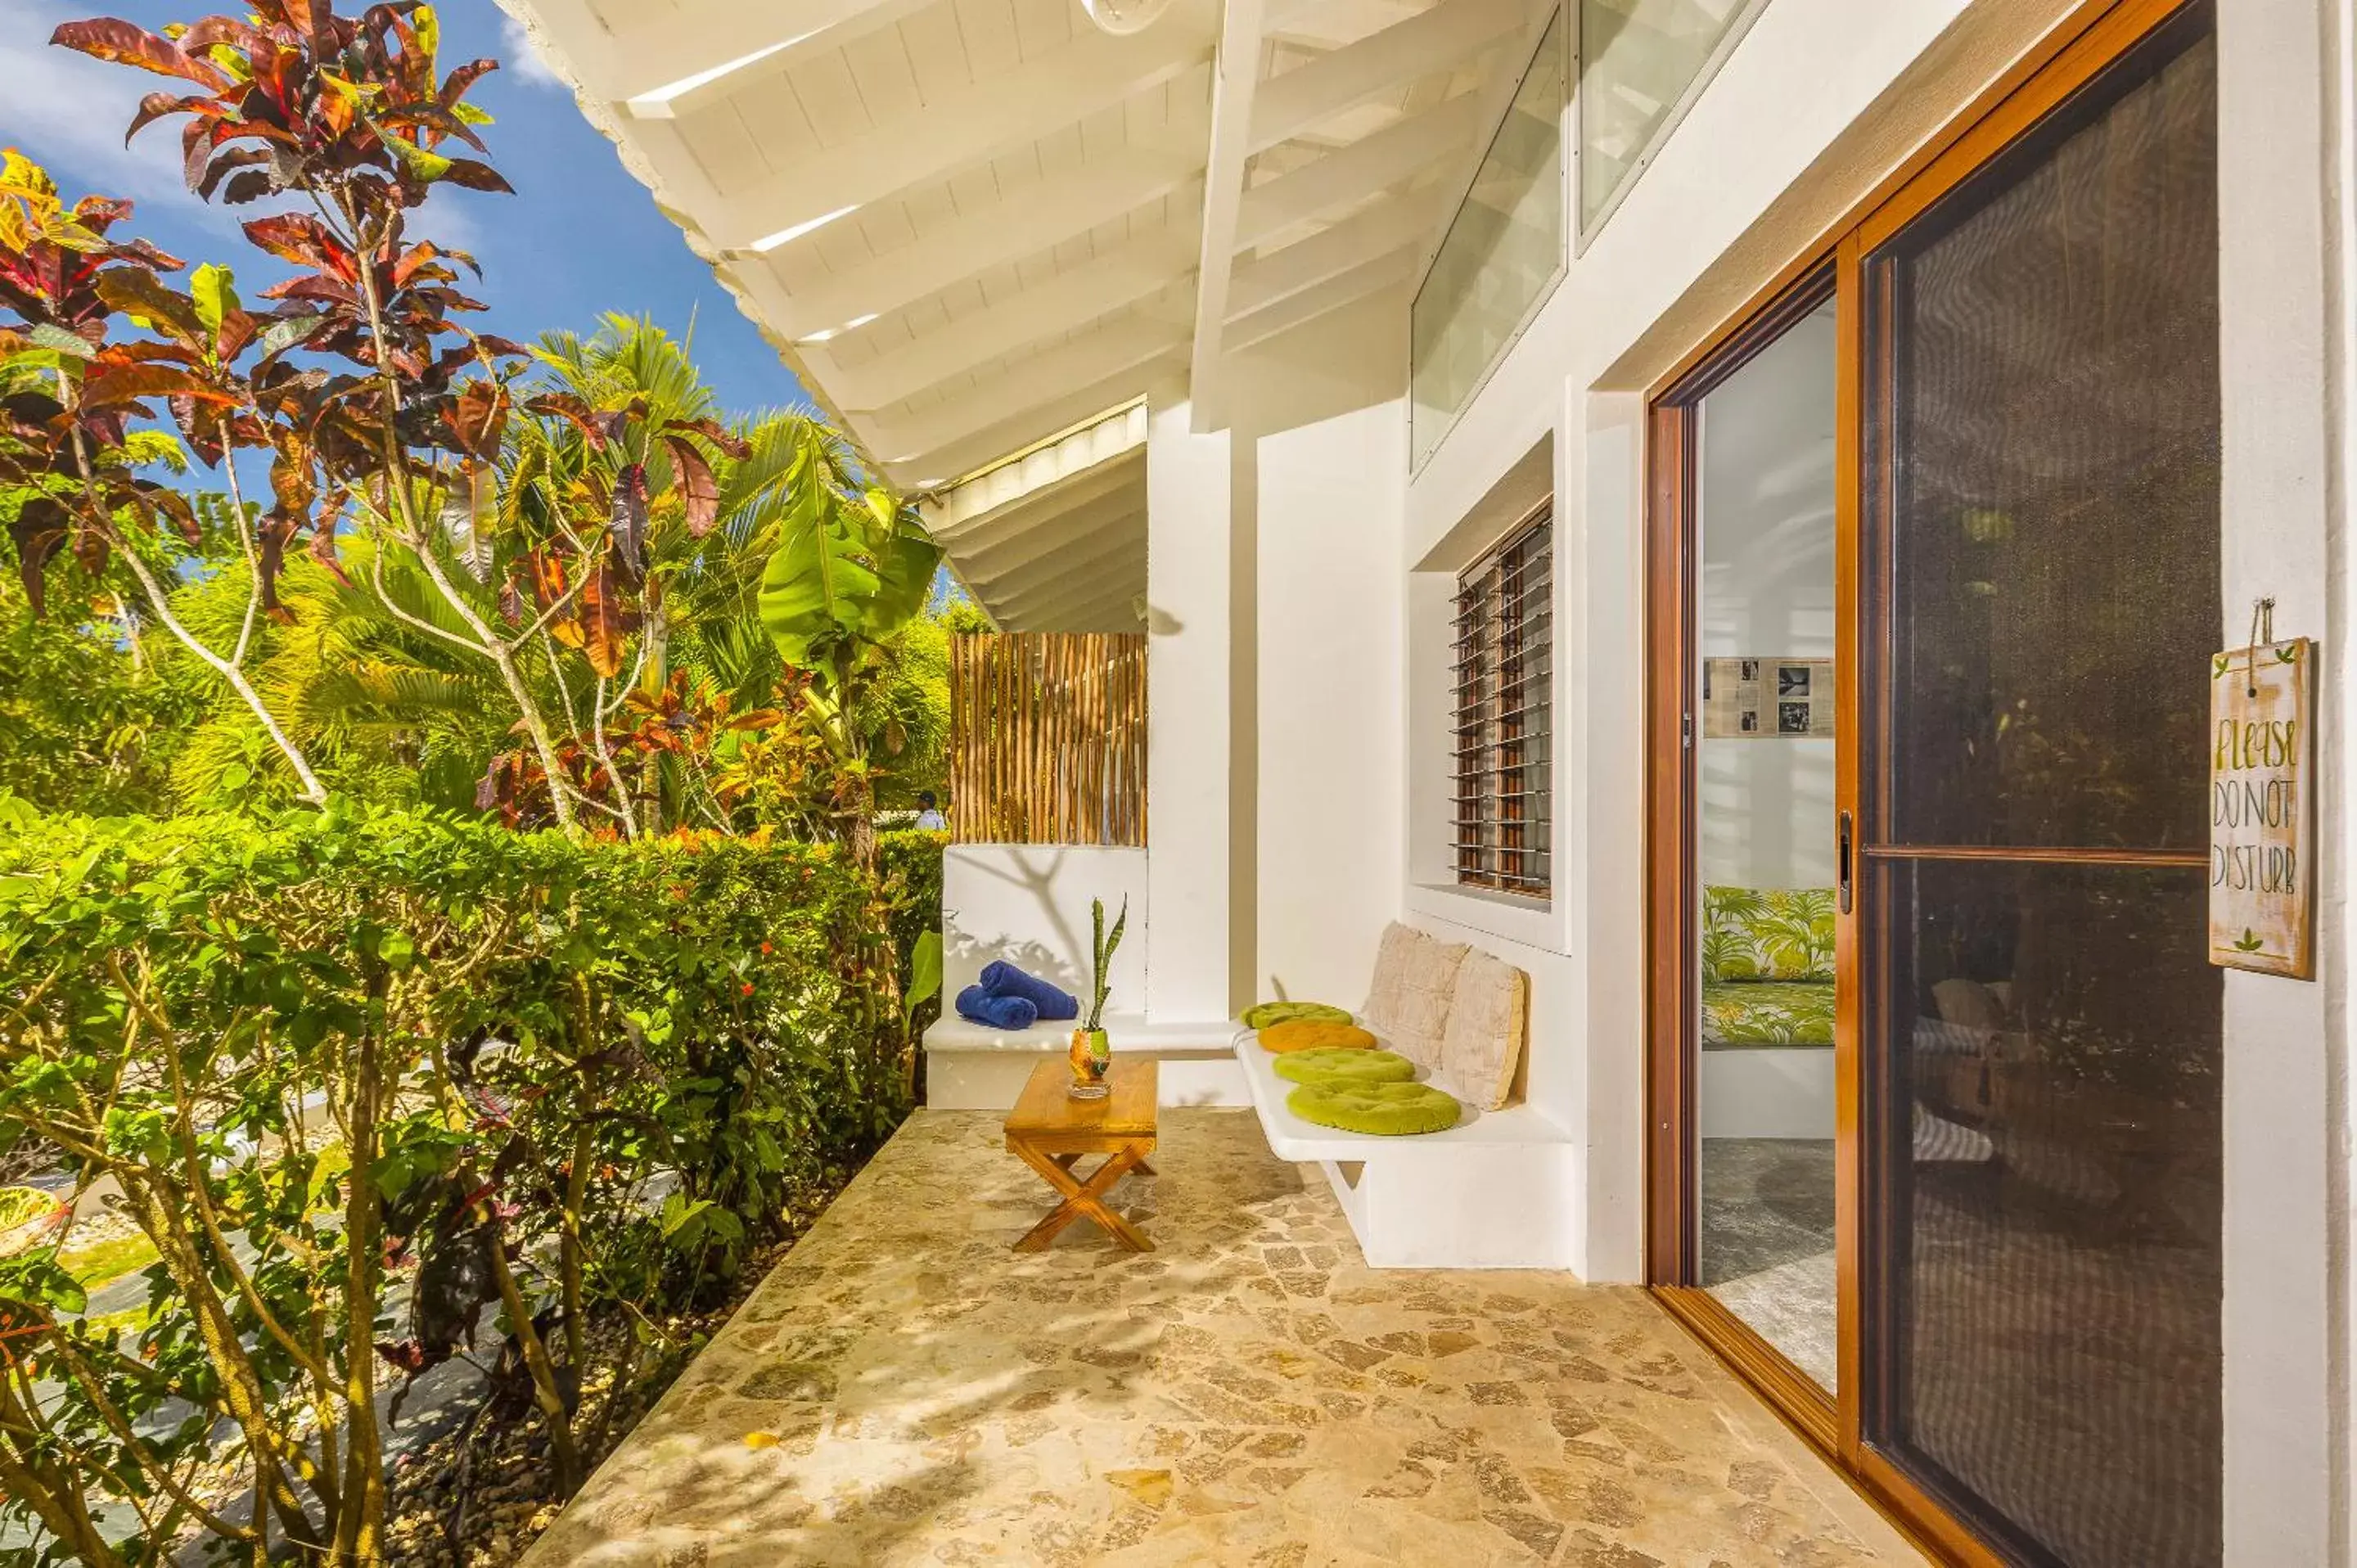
1505 730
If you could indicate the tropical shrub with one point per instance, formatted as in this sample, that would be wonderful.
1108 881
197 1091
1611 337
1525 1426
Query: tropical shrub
363 1068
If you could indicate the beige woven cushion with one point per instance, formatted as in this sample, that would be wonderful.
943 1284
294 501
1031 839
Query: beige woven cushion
1386 994
1482 1049
1429 988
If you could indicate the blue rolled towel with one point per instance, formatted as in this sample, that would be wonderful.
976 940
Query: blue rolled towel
975 1004
1003 978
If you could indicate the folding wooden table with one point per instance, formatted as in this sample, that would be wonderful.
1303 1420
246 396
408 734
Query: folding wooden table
1050 1132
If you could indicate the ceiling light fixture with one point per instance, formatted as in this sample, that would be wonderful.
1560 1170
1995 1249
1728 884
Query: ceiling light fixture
1122 17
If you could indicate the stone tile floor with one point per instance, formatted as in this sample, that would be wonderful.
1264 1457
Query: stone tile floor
906 1389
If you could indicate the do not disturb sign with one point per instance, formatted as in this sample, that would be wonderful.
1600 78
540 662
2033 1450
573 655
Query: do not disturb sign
2262 808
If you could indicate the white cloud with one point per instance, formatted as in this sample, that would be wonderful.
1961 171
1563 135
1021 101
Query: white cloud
523 58
67 112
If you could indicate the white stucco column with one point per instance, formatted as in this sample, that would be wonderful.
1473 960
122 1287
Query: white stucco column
1189 526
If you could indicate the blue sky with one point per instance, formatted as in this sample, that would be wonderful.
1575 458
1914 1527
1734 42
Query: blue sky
580 237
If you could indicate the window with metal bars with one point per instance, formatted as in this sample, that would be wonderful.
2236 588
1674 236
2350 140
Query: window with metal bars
1505 730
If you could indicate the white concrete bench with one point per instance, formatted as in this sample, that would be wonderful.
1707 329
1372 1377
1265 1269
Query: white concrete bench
1498 1190
972 1067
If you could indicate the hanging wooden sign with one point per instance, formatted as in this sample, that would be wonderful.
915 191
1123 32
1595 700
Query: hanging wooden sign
2262 808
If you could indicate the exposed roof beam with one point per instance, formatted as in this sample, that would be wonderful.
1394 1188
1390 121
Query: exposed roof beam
1383 272
990 117
963 453
1014 554
728 46
1039 513
1305 264
1353 173
1056 305
1102 598
1082 572
1235 86
1016 400
1429 41
1113 609
1037 218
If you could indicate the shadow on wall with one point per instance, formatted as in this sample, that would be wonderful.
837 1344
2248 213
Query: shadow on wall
967 955
1028 904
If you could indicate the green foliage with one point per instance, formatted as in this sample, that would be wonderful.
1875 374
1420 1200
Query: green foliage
908 865
86 723
546 1079
1103 945
850 570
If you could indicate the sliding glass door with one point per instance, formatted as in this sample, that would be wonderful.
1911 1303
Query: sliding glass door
2043 1028
1967 1239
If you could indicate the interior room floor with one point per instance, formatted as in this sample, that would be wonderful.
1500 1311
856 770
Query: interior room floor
1768 1243
905 1389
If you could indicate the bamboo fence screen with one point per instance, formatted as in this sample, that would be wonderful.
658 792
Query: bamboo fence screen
1047 738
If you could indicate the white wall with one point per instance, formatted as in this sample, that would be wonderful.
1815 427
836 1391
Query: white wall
1028 904
1331 831
1189 527
1767 514
1756 173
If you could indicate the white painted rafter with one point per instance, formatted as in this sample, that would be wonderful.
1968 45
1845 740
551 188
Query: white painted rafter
1430 41
763 39
962 129
1235 84
1328 255
1046 380
1083 577
1037 218
1370 164
1084 292
1369 276
1047 539
980 535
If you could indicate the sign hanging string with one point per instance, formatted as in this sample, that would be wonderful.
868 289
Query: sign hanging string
2263 631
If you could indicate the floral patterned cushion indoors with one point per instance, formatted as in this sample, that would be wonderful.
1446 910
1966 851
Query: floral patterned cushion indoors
1767 933
1767 966
1767 1012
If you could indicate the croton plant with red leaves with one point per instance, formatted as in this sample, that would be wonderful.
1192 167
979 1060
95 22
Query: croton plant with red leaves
356 373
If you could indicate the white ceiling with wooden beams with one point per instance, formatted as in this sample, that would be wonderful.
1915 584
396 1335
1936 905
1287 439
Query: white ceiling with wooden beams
967 224
961 219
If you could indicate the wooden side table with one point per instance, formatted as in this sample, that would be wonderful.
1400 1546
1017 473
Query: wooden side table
1049 1131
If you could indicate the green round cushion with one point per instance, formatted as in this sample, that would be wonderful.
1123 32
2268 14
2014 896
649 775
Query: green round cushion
1349 1064
1267 1013
1390 1108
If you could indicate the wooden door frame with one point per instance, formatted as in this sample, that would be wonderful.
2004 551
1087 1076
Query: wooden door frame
2047 76
1672 718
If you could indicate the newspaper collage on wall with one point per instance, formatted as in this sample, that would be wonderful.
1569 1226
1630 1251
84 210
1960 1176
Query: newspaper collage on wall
1768 699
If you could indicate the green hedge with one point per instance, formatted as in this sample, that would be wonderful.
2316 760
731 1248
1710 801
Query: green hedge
909 860
612 1065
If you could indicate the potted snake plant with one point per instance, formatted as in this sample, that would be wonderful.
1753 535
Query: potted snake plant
1091 1053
